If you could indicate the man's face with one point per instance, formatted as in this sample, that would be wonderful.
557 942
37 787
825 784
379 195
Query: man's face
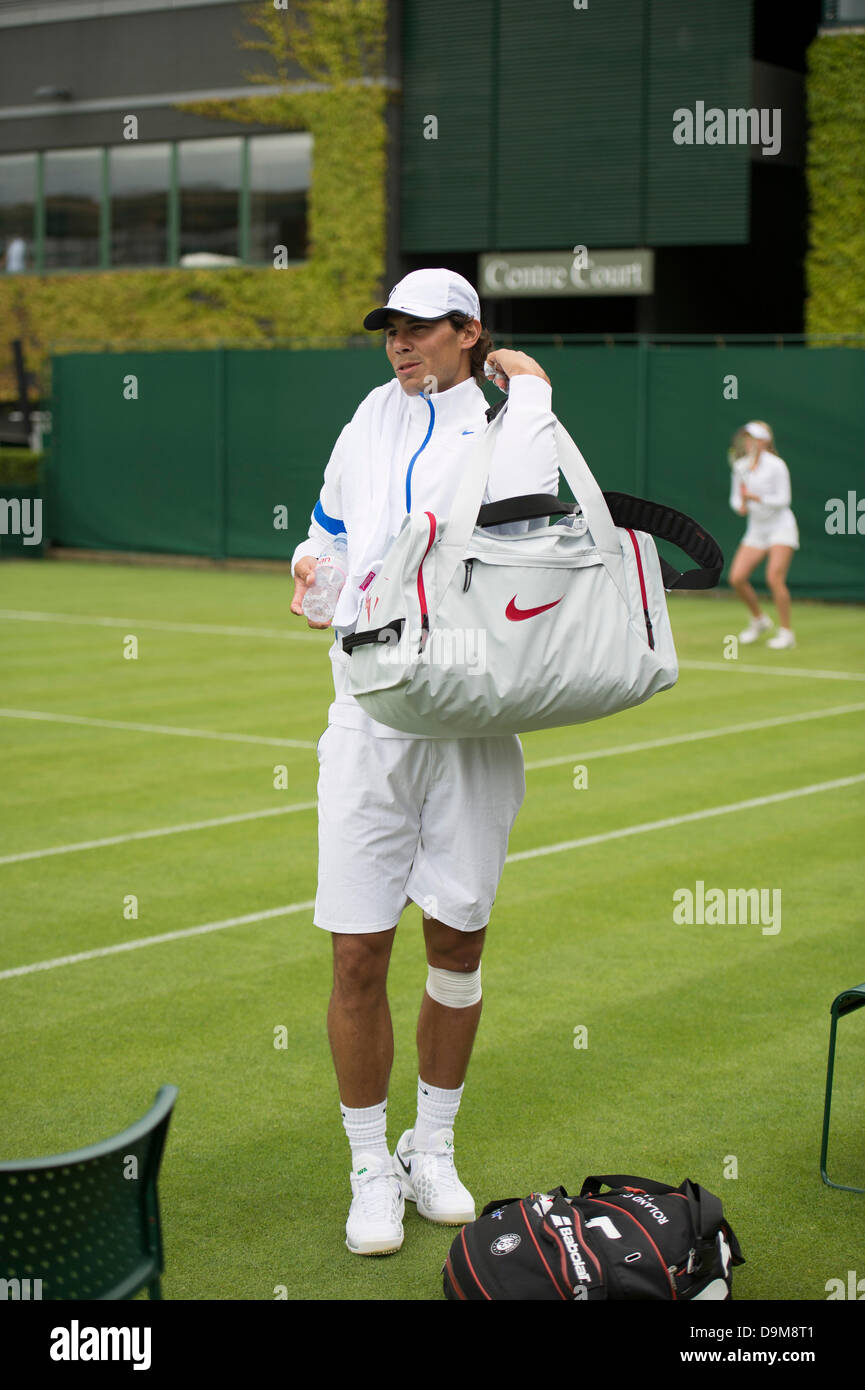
429 354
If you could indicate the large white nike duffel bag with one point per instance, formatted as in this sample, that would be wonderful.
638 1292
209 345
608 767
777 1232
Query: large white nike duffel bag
464 633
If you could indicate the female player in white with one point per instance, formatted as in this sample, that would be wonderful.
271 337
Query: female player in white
760 490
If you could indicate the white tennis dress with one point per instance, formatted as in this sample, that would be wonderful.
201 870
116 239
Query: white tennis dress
401 817
771 520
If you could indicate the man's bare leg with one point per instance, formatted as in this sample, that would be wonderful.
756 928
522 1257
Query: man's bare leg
445 1036
358 1019
361 1040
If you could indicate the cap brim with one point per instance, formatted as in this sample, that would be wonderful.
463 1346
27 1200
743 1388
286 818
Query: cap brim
377 318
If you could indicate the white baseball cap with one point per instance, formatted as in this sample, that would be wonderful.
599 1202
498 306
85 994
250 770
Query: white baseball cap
428 294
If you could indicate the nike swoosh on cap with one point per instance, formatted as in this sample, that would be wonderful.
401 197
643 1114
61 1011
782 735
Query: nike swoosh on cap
516 615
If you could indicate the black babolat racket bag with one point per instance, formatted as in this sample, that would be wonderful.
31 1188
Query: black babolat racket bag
640 1240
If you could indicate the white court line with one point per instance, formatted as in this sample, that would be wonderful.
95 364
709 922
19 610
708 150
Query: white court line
156 940
280 634
530 767
771 670
511 859
152 728
692 738
157 625
686 819
154 834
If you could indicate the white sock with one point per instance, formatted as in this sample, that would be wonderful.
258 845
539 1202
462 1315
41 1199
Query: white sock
366 1130
436 1109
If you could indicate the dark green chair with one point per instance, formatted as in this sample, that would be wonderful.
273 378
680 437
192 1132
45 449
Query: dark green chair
87 1223
845 1003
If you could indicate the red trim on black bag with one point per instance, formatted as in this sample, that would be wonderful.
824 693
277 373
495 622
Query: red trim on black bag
555 1282
553 1232
454 1284
642 588
487 1296
581 1238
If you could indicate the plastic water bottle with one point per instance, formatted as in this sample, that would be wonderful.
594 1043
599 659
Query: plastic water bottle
319 601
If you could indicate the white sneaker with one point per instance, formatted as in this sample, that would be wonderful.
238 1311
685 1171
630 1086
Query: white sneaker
374 1225
755 629
429 1177
785 638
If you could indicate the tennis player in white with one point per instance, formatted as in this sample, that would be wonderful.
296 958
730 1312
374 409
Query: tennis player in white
760 490
402 818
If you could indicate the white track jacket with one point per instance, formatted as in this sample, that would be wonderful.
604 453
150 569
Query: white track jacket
403 453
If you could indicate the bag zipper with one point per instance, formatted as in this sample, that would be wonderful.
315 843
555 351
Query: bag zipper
649 633
469 564
421 591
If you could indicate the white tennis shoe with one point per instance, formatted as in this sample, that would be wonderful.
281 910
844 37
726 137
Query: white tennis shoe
374 1225
755 629
784 639
429 1178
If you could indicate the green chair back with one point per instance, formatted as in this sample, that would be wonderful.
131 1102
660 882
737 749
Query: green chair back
844 1003
85 1225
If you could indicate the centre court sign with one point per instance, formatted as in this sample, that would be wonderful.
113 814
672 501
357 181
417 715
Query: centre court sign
577 272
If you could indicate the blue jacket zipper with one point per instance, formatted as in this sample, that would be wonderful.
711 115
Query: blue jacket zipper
420 451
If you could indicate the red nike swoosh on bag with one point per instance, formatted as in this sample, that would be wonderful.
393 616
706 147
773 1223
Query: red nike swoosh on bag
516 615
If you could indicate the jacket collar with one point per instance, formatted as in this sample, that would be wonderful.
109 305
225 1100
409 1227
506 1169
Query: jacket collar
460 403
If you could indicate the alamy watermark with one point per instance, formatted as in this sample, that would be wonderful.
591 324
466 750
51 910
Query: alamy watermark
853 1289
845 518
22 517
83 1343
20 1290
702 906
732 127
452 648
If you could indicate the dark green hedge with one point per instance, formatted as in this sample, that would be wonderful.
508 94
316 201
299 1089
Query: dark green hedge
20 468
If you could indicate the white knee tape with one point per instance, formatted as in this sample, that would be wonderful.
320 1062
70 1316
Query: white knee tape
454 988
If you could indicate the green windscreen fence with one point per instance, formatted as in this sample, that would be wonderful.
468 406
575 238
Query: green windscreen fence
221 453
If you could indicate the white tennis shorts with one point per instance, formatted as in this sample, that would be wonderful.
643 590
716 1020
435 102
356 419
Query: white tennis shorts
781 530
412 820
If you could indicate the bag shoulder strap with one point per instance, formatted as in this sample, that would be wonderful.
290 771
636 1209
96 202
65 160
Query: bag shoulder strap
527 508
706 1210
655 1189
667 524
663 522
467 500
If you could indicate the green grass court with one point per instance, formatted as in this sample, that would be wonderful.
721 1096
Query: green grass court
705 1043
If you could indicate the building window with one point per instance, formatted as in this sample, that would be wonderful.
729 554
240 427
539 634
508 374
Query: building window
223 201
73 197
209 180
138 181
17 207
280 172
